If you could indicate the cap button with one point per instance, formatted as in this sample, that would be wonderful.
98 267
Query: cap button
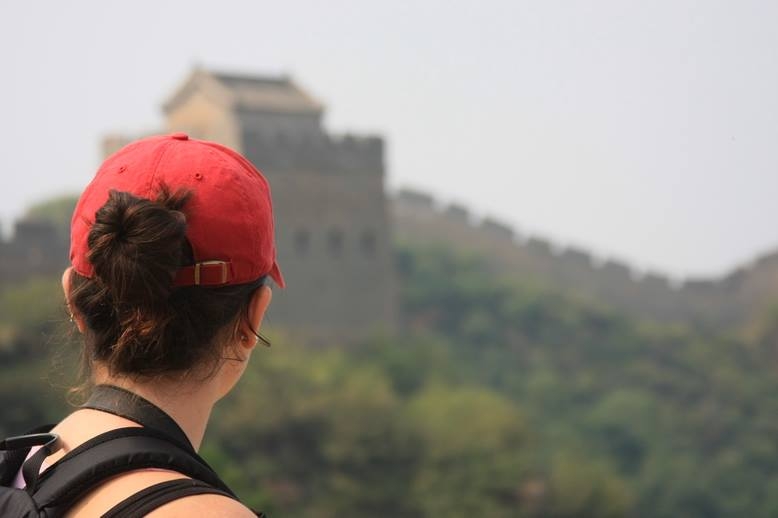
180 136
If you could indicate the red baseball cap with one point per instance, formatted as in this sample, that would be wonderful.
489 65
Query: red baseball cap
229 216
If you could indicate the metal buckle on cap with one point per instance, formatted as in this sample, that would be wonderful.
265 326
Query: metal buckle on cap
197 267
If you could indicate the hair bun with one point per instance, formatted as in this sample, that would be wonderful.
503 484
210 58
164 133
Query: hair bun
136 246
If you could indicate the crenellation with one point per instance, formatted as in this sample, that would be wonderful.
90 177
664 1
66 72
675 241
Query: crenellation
655 281
577 258
416 199
698 286
497 229
359 155
767 260
458 214
339 155
734 280
616 272
539 247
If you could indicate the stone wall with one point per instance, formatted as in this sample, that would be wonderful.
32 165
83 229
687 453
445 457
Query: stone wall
335 247
323 153
730 300
333 239
35 248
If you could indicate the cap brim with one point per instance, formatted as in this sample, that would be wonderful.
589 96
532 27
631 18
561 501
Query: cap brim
277 276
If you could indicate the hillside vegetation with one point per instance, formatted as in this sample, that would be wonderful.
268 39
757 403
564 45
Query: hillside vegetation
500 398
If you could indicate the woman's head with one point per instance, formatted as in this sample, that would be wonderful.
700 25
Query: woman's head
169 245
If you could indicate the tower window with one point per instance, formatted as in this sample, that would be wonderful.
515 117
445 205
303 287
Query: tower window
367 243
335 242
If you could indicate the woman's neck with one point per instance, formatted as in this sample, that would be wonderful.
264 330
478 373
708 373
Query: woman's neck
189 404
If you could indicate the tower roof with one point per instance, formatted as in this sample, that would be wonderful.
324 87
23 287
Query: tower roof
246 92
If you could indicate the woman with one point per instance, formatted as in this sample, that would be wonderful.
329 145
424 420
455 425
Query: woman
172 248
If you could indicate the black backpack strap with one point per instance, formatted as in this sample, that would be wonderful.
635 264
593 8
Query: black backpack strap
14 451
32 466
149 499
112 453
121 402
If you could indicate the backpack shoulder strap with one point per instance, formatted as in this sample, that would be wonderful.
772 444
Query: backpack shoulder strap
122 402
153 497
14 450
113 453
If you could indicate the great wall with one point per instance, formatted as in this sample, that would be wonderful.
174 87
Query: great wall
723 302
337 224
38 247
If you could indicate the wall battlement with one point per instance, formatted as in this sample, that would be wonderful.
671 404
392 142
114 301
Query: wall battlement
419 216
323 153
456 214
39 247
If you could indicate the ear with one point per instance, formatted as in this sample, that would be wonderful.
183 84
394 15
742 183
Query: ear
259 303
77 317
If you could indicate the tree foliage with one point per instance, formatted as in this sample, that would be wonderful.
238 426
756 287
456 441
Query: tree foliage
55 210
501 398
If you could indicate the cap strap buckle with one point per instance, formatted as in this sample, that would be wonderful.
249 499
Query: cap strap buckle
205 273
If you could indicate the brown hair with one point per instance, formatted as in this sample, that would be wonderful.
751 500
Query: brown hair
137 323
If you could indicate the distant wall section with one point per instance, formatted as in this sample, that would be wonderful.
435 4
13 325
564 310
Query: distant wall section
727 301
35 248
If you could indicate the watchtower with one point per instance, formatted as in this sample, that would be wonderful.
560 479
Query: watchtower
333 231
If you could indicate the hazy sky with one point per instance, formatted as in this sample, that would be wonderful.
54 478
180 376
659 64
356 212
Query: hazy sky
644 131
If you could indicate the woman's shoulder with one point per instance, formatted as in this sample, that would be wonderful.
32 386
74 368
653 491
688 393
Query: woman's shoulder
122 487
203 505
83 425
